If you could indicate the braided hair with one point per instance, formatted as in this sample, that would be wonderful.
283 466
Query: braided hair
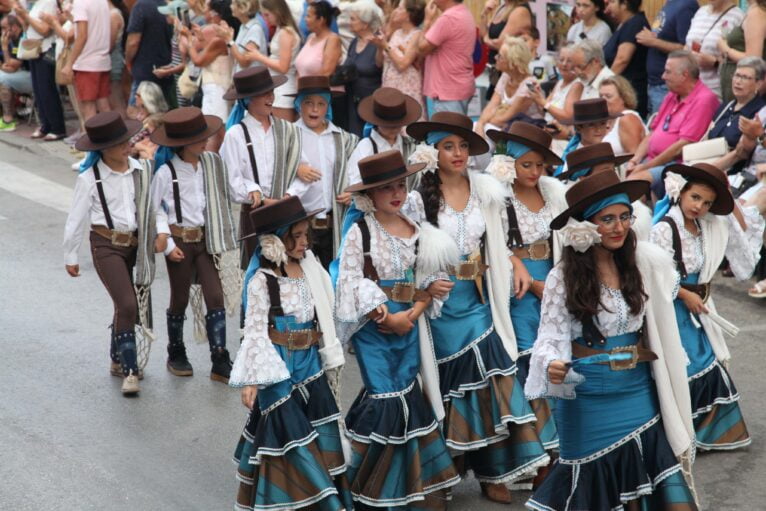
431 194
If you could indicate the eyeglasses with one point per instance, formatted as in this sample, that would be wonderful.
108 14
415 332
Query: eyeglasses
610 221
744 78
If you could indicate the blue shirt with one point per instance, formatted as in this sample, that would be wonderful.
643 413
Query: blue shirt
156 34
671 25
727 124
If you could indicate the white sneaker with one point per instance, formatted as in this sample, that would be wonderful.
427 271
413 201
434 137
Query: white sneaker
130 384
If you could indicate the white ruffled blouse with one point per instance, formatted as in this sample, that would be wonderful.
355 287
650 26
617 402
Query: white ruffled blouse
258 362
533 226
356 295
742 247
558 328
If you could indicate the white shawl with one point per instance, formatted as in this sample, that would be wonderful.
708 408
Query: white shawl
331 350
555 192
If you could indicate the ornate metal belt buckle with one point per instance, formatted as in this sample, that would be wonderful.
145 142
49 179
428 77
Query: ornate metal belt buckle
467 270
403 292
539 250
121 238
624 365
297 340
191 235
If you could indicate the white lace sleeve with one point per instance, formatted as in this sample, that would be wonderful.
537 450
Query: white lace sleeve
744 247
257 362
434 309
662 236
355 295
413 207
553 342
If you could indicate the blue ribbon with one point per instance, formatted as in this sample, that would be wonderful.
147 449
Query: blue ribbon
324 95
571 146
351 217
367 130
516 149
661 209
237 113
91 159
619 198
163 155
255 263
434 137
601 358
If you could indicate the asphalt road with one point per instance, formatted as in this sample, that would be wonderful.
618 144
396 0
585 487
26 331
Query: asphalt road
69 440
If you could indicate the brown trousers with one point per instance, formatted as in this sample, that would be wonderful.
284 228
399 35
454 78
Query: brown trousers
114 266
180 275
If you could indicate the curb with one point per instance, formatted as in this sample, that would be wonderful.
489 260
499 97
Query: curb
60 151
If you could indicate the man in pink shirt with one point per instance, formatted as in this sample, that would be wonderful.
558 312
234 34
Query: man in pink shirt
683 118
448 41
90 59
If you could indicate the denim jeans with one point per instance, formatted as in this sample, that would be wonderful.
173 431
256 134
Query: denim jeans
458 106
656 94
19 81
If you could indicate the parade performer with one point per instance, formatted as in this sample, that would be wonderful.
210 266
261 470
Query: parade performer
600 157
534 200
325 151
261 152
699 225
190 193
488 425
112 194
386 112
606 315
400 459
591 124
290 454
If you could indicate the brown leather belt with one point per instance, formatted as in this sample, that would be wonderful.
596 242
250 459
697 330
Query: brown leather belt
296 339
703 290
639 354
118 238
468 270
322 223
405 293
188 234
537 251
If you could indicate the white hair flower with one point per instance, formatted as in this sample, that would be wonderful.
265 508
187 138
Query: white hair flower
580 235
427 154
273 249
503 167
674 183
363 203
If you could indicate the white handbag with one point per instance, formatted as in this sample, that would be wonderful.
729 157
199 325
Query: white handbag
707 151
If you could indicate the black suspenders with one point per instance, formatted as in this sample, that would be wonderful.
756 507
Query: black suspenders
176 193
515 240
249 144
102 197
374 145
678 254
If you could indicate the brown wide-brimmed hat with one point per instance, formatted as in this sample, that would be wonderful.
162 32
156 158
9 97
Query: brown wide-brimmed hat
105 130
589 156
383 168
710 175
267 219
590 110
530 136
594 188
253 81
451 122
389 107
184 126
314 85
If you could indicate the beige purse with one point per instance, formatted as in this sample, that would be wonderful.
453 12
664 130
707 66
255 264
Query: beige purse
706 151
29 49
188 86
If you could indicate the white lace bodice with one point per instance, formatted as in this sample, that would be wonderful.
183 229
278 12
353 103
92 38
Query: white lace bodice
533 226
257 362
356 295
742 247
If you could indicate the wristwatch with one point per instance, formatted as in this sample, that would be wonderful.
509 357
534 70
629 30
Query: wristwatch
230 44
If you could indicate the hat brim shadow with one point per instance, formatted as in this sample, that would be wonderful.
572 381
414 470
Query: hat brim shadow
84 143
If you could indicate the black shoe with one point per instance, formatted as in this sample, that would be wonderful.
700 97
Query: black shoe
178 363
221 369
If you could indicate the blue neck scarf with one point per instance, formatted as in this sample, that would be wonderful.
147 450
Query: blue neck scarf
661 209
324 95
91 159
163 155
571 146
434 137
351 217
255 263
367 130
237 113
619 198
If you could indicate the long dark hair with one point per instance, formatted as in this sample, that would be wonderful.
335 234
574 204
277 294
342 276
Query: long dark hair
584 288
431 194
287 240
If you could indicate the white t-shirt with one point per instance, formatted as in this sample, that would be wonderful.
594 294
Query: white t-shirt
95 56
700 31
40 7
599 32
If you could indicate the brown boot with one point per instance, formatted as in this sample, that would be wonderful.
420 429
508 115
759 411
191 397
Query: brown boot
496 492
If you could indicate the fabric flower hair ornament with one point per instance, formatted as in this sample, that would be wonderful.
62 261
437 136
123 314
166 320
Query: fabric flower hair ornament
674 183
503 167
273 249
427 154
580 235
363 203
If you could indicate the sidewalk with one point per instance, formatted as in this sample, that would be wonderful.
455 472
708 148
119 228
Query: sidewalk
21 140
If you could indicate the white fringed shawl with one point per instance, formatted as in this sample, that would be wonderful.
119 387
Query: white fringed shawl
331 350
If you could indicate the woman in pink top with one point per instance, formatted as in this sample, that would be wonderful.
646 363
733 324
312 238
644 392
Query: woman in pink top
322 51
